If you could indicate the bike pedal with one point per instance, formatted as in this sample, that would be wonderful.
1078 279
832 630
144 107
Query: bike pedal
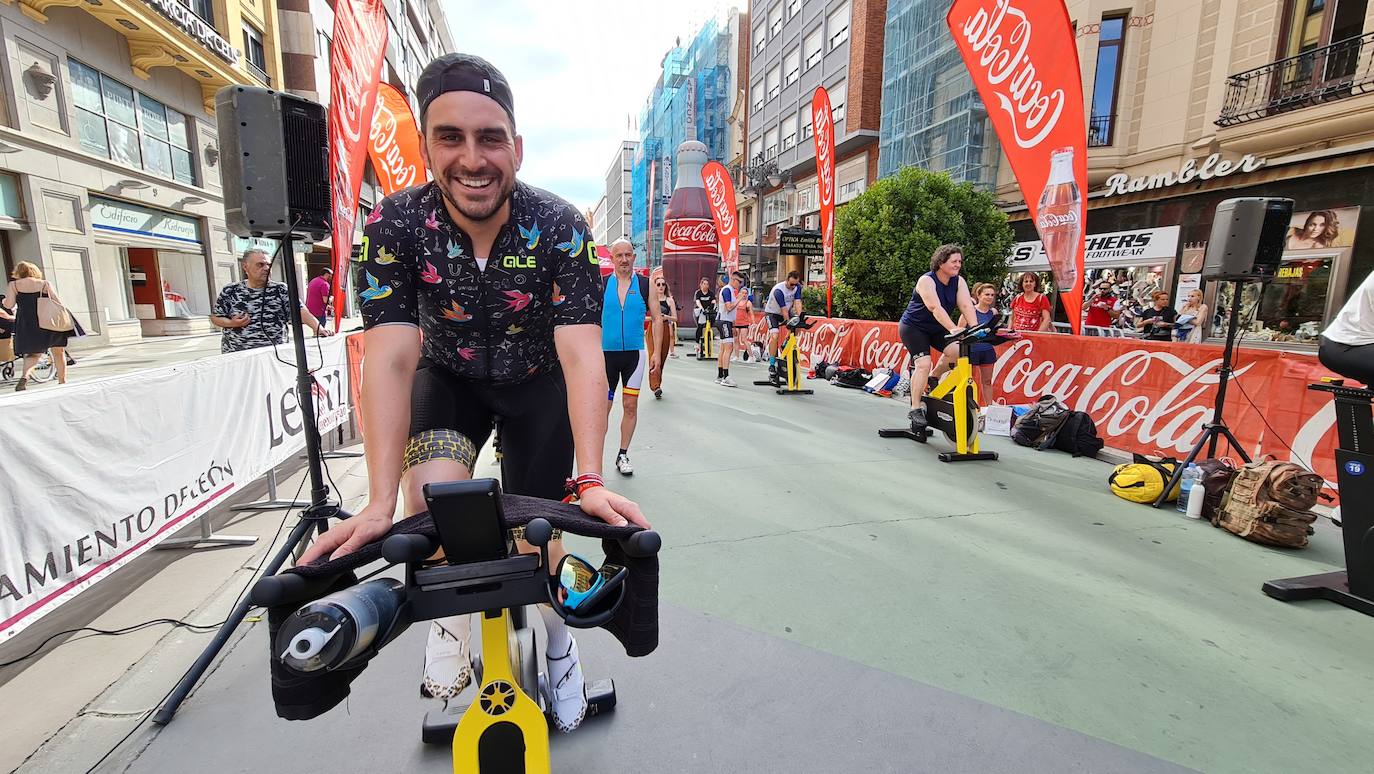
600 697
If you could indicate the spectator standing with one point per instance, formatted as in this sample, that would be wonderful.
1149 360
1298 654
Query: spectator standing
1101 306
1191 318
1030 310
253 312
1157 322
317 293
983 357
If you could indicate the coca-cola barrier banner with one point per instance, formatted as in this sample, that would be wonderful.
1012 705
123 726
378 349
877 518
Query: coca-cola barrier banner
823 132
1024 62
1147 397
720 192
355 69
394 145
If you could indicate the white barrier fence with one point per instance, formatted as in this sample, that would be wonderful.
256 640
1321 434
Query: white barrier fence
95 474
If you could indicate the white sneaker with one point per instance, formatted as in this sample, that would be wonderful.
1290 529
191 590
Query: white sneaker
448 667
622 464
727 382
567 694
717 380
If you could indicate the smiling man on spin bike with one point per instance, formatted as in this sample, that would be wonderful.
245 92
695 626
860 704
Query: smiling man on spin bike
939 297
481 299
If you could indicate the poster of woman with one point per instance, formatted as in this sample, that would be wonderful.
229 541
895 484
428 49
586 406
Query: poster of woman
1321 229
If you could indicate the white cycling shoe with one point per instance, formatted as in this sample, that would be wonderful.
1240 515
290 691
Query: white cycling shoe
448 665
567 692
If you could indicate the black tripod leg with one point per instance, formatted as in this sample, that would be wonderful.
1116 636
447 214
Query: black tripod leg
1235 445
1177 476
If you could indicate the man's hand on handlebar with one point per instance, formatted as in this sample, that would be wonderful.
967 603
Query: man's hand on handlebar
350 534
612 508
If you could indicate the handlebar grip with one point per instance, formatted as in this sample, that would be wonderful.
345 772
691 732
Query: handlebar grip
288 588
538 532
642 544
401 549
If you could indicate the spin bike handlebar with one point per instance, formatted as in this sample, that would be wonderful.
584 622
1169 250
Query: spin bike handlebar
983 333
798 323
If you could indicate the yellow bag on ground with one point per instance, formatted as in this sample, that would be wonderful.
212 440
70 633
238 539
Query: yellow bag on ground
1141 481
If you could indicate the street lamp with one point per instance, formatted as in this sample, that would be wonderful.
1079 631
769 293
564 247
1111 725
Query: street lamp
763 174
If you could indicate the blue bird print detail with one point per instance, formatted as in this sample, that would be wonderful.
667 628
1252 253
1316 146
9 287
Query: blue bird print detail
374 291
531 236
574 246
455 250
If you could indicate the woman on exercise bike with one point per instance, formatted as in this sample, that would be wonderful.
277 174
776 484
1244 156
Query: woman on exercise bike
939 295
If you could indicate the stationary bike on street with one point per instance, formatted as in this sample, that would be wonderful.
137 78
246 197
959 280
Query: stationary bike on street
952 407
790 354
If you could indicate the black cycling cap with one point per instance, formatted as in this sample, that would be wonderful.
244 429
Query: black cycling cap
464 72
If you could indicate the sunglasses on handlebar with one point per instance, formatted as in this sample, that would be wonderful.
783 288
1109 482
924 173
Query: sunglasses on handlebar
585 587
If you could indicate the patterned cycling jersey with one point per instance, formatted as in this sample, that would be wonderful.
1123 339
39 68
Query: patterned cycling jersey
494 325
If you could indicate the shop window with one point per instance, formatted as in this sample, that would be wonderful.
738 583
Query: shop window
838 24
1106 81
1289 308
255 54
114 122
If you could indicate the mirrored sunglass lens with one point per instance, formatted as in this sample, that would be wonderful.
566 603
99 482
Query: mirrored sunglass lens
576 575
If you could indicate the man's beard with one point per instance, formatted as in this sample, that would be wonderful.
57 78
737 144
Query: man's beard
486 213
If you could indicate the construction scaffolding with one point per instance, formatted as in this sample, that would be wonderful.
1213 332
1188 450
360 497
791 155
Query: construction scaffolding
691 101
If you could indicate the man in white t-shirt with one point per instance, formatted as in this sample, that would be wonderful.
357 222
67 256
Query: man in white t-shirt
784 302
732 296
1347 345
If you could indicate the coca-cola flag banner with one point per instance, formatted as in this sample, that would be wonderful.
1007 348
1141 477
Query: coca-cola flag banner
1024 60
720 192
394 145
355 68
823 132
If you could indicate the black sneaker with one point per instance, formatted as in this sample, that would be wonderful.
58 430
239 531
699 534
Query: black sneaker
917 416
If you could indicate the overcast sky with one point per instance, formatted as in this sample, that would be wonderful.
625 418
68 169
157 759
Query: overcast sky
577 68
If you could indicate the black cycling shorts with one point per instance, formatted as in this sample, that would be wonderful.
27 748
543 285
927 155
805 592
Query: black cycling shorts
724 331
536 437
1352 362
775 321
625 367
920 342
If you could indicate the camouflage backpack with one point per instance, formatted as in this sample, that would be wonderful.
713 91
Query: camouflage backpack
1270 502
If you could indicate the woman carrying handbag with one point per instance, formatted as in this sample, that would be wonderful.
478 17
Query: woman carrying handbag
41 322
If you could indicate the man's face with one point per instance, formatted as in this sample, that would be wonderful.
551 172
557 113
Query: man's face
623 256
1104 289
472 152
792 282
257 267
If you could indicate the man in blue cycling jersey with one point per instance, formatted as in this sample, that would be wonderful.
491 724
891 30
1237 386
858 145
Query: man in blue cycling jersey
784 302
625 306
732 298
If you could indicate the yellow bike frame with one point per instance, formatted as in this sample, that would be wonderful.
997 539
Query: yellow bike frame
708 341
791 356
959 376
501 700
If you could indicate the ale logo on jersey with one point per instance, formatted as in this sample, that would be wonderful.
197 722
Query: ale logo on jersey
689 235
1002 53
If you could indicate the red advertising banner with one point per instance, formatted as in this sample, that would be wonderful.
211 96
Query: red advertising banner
1147 397
394 146
823 132
354 72
1024 62
720 192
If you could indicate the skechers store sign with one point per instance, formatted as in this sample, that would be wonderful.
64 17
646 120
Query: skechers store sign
1212 166
1115 248
196 27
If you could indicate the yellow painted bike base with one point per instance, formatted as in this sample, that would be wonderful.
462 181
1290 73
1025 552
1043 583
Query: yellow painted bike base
961 382
503 718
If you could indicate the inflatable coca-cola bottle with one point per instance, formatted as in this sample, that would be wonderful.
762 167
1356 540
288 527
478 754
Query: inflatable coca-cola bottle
690 247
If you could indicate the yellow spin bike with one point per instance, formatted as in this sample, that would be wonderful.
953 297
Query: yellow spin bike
708 342
790 354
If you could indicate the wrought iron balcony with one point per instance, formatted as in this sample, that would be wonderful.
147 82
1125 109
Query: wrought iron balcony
1342 69
1100 130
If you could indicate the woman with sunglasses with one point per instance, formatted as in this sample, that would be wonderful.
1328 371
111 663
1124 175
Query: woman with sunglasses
664 333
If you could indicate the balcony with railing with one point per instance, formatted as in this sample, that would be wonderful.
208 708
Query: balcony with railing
1340 70
1100 130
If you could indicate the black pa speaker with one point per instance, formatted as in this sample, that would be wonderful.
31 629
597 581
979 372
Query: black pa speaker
275 171
1247 237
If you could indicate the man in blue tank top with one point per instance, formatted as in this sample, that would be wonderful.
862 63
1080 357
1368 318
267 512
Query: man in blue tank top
938 299
624 307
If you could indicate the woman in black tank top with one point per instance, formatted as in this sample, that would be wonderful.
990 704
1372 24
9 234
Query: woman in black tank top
661 346
921 328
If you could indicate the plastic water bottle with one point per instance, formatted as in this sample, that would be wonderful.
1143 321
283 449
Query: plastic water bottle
1191 475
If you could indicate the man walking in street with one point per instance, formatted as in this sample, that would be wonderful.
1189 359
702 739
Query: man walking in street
784 302
731 297
253 312
625 306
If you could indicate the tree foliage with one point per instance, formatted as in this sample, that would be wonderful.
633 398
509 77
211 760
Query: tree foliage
885 237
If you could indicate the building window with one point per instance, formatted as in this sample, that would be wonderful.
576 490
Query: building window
1106 81
770 143
760 37
838 25
205 9
793 8
774 82
791 67
837 95
135 130
807 130
851 190
789 132
775 20
756 96
747 220
254 53
775 208
755 148
808 198
1310 25
813 47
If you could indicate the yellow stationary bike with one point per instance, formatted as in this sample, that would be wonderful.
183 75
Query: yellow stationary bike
790 354
952 407
708 342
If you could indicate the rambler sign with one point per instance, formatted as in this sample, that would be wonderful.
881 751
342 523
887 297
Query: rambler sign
194 26
1212 166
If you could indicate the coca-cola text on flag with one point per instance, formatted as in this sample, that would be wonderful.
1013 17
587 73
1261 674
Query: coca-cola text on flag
394 143
823 132
720 192
355 69
1023 59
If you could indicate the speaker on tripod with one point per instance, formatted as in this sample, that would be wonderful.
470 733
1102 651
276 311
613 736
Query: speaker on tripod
1246 246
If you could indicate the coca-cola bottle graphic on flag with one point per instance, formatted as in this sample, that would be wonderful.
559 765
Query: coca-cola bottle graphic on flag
1060 220
690 248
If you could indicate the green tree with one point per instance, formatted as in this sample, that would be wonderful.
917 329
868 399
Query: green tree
885 237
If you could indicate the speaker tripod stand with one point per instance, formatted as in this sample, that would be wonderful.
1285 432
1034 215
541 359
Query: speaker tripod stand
1214 431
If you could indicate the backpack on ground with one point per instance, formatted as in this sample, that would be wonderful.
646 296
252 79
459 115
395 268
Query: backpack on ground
1078 435
851 377
1270 502
1142 479
1038 425
1216 482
